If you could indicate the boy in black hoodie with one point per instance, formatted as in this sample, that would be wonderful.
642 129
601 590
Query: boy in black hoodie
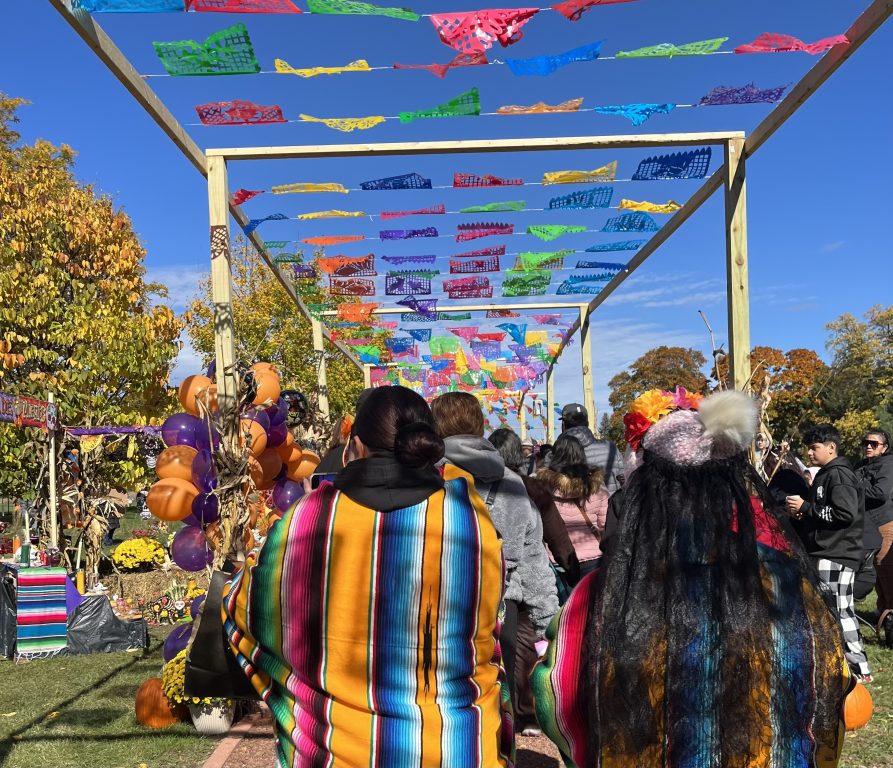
830 524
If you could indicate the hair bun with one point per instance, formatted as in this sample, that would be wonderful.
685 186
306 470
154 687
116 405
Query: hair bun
416 445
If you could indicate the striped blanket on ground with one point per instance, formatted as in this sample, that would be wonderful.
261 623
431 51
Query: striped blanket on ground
41 616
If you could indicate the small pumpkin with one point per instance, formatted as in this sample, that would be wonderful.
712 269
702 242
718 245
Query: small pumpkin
857 708
153 708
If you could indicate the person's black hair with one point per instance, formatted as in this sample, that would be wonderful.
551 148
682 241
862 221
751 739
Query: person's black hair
568 457
398 421
361 398
821 433
878 431
683 585
574 420
509 446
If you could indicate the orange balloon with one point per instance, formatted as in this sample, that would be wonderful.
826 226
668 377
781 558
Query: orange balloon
290 451
268 388
303 468
258 436
857 708
212 397
176 461
270 464
171 499
192 390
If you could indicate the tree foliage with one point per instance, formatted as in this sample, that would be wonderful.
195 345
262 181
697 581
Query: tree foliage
75 309
663 368
269 327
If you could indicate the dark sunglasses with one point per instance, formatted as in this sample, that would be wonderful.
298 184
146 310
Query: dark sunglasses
872 443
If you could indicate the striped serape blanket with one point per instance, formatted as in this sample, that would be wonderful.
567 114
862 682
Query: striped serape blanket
41 616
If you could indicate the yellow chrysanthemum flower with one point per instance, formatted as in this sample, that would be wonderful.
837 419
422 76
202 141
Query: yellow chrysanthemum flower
652 404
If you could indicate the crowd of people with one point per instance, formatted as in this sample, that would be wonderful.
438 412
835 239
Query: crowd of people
669 606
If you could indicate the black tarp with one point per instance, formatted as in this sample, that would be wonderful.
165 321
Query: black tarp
7 617
94 628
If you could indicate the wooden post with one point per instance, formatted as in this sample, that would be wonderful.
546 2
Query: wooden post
323 381
221 292
54 515
522 416
736 264
367 375
586 350
550 407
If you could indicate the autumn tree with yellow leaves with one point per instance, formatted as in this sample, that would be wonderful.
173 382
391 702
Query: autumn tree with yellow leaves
270 327
76 315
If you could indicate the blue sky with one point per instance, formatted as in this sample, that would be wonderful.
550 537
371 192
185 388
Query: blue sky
816 191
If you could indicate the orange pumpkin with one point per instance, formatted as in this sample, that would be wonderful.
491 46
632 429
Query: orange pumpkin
153 708
857 708
303 467
192 391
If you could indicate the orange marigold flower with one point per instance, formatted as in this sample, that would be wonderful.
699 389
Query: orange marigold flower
653 404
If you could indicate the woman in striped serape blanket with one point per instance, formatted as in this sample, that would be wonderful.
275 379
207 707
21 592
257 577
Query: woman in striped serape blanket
368 619
704 641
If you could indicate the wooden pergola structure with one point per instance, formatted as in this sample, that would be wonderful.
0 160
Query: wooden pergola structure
730 177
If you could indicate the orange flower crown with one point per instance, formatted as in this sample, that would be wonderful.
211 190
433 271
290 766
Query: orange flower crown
650 407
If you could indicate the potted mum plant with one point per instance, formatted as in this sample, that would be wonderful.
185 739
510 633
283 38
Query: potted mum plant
211 717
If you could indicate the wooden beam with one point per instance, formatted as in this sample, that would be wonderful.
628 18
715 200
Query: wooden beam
736 265
117 63
476 145
550 405
367 375
872 18
222 292
321 373
522 417
586 349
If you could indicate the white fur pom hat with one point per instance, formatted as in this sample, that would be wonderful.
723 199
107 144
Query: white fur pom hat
722 425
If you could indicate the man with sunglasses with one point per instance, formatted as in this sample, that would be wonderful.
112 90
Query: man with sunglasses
876 474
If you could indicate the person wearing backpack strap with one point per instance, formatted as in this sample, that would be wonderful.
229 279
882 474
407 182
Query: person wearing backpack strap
529 582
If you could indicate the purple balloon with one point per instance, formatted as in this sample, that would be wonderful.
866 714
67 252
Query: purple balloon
190 549
205 509
285 493
176 641
181 429
258 415
278 412
212 369
206 442
277 434
195 607
204 472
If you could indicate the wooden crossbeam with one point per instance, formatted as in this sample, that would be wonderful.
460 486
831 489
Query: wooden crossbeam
476 145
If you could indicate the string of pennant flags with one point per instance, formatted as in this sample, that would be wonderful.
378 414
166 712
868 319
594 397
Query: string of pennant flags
691 164
467 104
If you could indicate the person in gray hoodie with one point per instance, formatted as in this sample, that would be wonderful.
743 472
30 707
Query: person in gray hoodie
529 581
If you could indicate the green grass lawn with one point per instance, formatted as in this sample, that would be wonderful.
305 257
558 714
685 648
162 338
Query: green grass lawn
77 712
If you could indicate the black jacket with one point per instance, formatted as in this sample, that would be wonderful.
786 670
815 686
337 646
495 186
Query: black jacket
832 523
877 481
381 482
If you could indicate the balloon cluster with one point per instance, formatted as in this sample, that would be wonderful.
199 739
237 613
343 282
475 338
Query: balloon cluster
188 473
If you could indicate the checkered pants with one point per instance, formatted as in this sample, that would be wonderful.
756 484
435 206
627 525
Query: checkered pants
837 581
